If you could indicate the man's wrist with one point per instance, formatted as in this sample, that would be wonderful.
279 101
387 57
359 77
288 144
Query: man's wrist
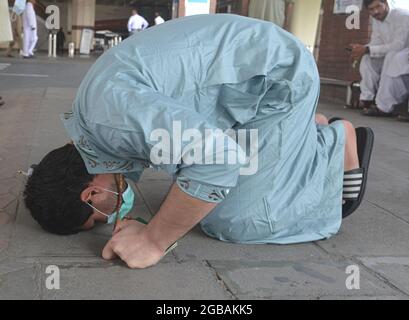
158 241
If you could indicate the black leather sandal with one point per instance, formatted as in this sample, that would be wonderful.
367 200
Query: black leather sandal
355 180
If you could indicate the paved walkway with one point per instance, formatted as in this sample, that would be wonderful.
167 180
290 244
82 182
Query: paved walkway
375 239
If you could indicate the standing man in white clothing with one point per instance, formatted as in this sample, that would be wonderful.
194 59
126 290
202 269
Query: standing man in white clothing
136 22
279 12
6 34
30 30
385 62
158 19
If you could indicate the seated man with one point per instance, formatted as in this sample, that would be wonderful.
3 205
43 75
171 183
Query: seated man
383 70
162 98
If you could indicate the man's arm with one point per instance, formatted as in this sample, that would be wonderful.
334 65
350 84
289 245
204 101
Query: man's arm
142 247
199 185
178 214
375 35
129 24
359 50
380 49
31 16
145 24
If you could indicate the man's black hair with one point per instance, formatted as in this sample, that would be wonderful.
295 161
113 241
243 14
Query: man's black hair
52 193
367 3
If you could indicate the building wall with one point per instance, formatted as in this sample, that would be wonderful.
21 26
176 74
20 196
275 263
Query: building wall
108 12
334 61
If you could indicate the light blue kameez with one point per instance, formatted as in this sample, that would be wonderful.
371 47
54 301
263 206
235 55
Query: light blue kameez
227 72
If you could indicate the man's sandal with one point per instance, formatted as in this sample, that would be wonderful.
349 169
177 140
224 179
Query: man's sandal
375 112
335 119
355 180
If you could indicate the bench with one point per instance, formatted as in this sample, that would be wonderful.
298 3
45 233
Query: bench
352 90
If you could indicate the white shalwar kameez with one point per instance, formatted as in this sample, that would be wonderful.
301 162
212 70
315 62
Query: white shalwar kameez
385 71
30 30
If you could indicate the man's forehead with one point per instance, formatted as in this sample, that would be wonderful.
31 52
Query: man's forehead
375 4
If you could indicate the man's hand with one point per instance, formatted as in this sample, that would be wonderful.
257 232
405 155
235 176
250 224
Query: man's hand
358 50
142 246
127 222
131 243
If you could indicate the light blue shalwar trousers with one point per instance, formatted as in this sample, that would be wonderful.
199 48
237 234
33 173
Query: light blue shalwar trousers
226 72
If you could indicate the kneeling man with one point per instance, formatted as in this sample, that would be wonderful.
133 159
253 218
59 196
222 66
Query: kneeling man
162 98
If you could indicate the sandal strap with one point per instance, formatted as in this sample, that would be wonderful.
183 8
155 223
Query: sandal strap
352 184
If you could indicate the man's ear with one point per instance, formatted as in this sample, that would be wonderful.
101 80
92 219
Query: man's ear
88 192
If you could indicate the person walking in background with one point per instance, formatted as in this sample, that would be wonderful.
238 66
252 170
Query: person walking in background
5 28
277 11
16 26
158 19
60 41
136 22
5 24
30 30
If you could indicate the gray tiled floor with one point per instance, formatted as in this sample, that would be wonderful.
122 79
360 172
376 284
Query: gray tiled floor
375 238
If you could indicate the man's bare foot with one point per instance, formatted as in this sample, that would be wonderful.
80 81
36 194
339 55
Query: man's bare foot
351 160
321 119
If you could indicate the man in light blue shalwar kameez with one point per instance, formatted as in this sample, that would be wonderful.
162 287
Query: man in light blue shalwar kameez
211 72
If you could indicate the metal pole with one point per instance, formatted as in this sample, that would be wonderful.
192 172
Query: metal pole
55 45
71 49
50 40
349 96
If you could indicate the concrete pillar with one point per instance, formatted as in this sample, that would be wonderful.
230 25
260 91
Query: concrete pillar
83 16
69 17
181 8
213 6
